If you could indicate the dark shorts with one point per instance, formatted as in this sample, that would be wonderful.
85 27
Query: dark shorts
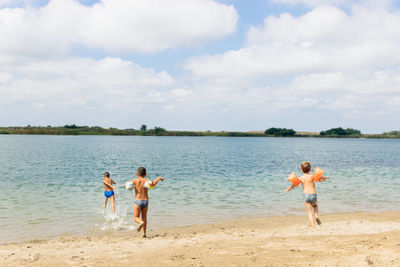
142 203
310 198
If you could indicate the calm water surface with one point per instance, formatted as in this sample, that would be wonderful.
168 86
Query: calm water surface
51 185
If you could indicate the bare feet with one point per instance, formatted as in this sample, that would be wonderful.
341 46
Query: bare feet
144 236
318 221
140 227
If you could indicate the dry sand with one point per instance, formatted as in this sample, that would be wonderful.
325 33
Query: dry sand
348 239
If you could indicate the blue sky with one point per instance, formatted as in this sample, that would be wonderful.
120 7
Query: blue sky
201 64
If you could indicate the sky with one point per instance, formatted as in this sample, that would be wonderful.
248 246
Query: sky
233 65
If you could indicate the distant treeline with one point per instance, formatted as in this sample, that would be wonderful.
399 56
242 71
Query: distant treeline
159 131
96 130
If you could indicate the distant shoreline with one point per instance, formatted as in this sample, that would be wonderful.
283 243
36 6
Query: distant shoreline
92 131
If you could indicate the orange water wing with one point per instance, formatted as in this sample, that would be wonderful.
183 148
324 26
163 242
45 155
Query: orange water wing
318 174
294 179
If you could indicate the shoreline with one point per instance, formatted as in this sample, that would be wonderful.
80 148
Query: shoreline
363 136
360 239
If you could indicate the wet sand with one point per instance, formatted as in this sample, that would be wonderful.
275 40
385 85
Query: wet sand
346 239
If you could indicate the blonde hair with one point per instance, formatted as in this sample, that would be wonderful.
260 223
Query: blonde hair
305 166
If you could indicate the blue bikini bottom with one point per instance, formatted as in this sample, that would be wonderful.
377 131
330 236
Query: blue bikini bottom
142 203
310 198
108 194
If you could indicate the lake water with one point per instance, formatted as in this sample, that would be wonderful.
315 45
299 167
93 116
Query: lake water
51 185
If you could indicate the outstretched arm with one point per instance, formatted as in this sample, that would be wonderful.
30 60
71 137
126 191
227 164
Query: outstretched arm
155 182
290 188
323 179
104 182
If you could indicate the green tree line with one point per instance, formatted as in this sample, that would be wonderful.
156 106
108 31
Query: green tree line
74 129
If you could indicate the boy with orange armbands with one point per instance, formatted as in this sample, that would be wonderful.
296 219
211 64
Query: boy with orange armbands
310 195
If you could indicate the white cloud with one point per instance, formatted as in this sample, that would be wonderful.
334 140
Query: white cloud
325 39
319 82
40 82
179 92
113 25
79 87
326 61
153 25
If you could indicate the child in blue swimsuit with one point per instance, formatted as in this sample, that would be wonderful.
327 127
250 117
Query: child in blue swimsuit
310 195
109 191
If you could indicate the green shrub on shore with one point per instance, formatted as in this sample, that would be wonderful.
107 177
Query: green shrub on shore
341 132
159 131
280 132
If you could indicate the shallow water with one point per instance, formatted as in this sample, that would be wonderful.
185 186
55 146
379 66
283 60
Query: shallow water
51 185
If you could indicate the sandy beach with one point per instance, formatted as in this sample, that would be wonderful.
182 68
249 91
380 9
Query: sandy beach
356 239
